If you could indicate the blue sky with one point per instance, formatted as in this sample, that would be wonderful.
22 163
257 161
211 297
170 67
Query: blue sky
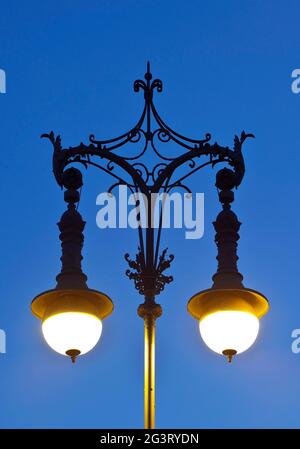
226 66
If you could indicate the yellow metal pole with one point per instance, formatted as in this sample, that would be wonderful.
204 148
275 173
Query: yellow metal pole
149 311
149 370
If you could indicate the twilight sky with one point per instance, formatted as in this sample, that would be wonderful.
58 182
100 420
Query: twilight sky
226 66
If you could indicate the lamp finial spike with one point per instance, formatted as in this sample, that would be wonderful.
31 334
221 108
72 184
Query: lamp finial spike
148 74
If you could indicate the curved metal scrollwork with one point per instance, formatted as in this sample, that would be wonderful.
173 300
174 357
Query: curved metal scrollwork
151 133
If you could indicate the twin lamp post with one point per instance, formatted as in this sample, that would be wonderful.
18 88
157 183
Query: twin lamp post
228 313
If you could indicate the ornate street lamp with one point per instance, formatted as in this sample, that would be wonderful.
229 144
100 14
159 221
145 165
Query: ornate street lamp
72 313
228 313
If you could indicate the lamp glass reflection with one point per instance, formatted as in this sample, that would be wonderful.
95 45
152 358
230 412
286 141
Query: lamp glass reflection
72 331
229 330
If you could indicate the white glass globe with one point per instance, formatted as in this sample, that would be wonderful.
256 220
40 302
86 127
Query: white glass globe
229 330
72 330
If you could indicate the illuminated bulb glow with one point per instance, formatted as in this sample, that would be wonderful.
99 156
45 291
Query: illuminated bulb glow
72 330
229 330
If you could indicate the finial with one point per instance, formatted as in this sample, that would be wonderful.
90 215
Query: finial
229 353
148 74
73 353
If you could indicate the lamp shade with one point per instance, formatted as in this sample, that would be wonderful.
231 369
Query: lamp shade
69 331
228 318
72 319
229 330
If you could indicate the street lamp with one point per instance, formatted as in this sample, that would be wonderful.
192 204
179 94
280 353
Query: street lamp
228 313
72 314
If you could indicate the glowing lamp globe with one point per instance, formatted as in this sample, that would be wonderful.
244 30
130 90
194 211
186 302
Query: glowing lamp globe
229 330
72 319
228 319
68 330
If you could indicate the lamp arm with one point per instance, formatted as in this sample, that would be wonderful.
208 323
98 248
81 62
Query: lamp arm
216 153
82 153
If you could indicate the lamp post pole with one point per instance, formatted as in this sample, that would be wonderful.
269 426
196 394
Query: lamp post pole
149 311
147 269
